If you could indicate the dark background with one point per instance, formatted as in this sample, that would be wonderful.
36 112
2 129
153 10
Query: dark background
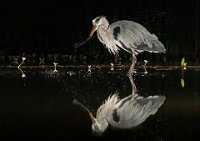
44 27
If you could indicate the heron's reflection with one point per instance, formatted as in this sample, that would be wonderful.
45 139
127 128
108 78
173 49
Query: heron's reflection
124 113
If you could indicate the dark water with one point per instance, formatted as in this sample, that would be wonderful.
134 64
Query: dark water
39 106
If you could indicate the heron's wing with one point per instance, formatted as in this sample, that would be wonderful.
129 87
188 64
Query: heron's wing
135 111
131 35
106 109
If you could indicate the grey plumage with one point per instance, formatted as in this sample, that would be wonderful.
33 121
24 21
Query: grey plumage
135 36
127 35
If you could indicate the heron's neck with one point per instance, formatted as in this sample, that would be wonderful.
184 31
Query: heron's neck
106 37
104 27
105 24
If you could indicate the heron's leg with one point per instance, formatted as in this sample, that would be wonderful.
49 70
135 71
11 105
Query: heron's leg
134 89
134 61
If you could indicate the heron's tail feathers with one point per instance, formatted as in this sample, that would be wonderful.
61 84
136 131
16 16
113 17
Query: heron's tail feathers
152 103
156 46
151 44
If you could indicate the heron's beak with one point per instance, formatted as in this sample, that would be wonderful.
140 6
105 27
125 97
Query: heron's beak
92 117
94 28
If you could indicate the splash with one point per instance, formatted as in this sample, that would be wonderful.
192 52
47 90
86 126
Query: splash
77 45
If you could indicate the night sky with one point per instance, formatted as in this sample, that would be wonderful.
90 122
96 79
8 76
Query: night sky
56 26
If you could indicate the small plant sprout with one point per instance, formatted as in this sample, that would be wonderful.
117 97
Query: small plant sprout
183 64
23 59
144 66
22 72
182 82
89 69
112 67
182 77
145 62
23 75
55 65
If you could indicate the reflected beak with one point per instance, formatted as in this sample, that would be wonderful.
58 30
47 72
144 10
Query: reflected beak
93 30
92 117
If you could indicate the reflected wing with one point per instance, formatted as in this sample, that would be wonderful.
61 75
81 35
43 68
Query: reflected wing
131 35
135 111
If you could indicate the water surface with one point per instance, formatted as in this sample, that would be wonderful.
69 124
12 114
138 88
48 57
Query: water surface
39 106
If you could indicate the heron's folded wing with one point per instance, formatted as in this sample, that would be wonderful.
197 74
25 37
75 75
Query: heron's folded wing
131 35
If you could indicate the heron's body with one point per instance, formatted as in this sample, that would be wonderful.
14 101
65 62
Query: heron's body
127 112
127 35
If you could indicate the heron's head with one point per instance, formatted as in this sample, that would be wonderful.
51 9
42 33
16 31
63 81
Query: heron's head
99 21
98 128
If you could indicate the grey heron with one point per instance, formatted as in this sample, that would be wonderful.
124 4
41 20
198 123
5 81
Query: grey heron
124 113
127 35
